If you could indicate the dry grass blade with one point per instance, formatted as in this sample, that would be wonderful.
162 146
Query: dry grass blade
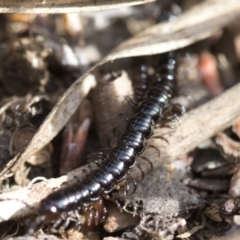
63 6
196 126
196 24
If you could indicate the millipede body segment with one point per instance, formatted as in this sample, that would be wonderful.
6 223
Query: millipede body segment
116 164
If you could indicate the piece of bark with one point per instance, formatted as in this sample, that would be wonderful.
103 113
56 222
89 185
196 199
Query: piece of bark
109 101
195 127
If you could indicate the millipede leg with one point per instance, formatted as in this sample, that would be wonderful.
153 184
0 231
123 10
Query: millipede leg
90 167
146 159
173 128
98 157
109 141
117 130
93 215
171 114
65 225
104 150
170 120
161 137
78 179
90 216
124 117
78 224
106 196
56 225
98 160
175 118
152 146
118 204
125 189
134 182
133 104
161 123
96 217
85 172
104 213
141 170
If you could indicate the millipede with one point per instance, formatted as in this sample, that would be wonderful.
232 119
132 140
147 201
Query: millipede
116 164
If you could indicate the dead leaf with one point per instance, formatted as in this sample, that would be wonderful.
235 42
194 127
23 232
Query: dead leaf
63 6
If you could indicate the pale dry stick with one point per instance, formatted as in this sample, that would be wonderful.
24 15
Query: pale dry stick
196 126
63 6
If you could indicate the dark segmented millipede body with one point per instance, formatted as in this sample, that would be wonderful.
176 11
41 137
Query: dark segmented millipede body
140 86
116 164
143 78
